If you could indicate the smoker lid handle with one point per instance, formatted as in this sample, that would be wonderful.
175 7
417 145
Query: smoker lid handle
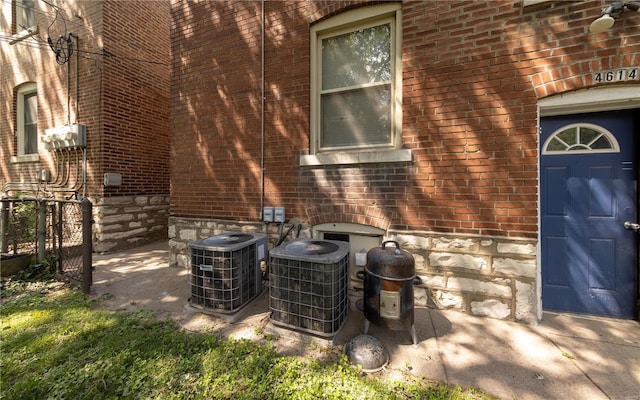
384 244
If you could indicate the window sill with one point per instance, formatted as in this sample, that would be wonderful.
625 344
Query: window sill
22 35
361 157
27 158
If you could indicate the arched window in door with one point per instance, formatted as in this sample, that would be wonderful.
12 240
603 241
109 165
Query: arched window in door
580 138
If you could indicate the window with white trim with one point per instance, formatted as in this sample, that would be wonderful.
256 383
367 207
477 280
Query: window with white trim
356 82
581 138
27 119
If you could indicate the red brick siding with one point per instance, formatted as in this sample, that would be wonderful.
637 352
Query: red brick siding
30 61
472 74
124 99
136 96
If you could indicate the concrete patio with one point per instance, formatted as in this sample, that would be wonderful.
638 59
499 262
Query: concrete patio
565 356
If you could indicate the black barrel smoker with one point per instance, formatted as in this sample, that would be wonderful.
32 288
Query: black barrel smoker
388 288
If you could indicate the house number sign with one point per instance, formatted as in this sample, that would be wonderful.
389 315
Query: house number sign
617 75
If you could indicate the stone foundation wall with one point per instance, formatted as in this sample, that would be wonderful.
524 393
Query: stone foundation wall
485 276
185 230
128 221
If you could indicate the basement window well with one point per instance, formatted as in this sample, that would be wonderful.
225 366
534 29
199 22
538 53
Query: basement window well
361 238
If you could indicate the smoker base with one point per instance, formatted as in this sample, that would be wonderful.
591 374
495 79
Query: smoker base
411 329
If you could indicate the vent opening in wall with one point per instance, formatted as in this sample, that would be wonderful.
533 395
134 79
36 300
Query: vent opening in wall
309 285
225 271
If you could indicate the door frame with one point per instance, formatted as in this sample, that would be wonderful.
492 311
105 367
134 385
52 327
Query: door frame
603 98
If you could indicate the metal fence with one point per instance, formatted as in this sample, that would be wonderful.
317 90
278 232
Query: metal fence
55 232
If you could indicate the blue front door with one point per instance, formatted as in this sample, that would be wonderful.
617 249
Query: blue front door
587 192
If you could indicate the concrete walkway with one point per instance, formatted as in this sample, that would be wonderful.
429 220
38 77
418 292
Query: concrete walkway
565 356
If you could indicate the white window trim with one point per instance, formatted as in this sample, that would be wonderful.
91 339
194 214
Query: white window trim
21 157
392 153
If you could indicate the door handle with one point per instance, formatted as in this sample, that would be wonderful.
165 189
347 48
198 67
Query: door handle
631 226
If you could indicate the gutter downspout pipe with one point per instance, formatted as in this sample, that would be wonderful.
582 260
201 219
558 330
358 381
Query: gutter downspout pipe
262 186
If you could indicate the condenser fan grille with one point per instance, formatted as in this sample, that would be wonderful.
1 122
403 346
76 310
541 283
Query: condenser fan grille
309 292
225 275
227 239
311 247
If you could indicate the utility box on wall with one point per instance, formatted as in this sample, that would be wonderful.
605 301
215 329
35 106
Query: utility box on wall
67 136
112 179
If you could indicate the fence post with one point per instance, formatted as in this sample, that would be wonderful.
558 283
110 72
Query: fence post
87 245
41 230
58 241
4 227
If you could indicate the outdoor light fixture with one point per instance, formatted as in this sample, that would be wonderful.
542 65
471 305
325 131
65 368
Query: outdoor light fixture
608 15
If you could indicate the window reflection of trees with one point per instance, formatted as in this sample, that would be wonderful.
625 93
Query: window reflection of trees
357 58
356 81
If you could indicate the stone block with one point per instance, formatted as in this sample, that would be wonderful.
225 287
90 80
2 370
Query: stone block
131 209
456 260
157 200
135 224
182 260
490 308
111 227
171 231
486 243
432 280
112 219
411 241
142 200
421 297
188 234
510 266
123 235
477 286
116 201
177 245
110 210
525 299
156 228
517 248
445 243
447 299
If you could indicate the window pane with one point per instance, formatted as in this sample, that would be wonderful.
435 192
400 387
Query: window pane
30 139
357 58
357 117
568 136
602 143
30 123
556 145
587 135
27 17
30 108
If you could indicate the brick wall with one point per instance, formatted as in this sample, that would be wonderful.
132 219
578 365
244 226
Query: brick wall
31 60
472 74
135 94
122 83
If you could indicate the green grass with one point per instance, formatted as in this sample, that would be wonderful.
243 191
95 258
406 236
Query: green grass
56 344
